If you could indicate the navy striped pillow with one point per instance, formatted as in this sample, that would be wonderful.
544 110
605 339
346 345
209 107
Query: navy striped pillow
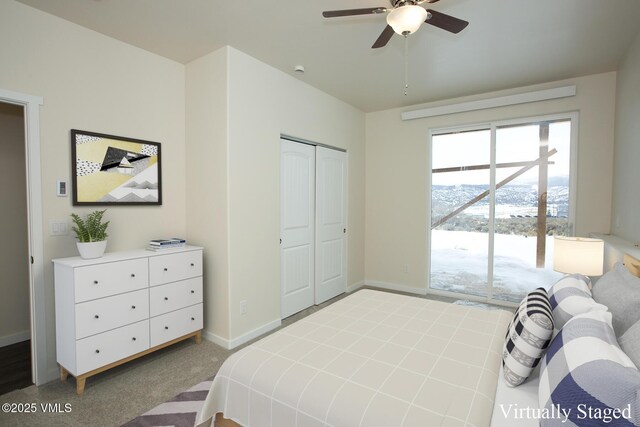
588 377
527 337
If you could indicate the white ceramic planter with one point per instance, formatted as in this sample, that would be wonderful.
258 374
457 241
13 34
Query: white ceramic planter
89 250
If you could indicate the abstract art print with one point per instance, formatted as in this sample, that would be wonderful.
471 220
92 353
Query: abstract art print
113 170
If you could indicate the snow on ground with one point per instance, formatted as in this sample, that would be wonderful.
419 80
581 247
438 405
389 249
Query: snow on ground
459 264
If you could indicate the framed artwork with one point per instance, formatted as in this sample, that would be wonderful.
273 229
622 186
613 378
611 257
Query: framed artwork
114 170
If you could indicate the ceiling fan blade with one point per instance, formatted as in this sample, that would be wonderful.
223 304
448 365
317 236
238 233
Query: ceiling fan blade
429 1
384 37
446 22
351 12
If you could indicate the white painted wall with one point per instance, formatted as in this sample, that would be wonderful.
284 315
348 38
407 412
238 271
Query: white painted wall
14 252
626 200
396 173
207 182
93 82
264 103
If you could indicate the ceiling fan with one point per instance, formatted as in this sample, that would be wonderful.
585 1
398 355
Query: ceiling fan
405 17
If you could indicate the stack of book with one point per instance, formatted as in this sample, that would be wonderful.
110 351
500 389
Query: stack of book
164 244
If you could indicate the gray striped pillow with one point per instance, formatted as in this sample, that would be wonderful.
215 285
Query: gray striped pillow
527 337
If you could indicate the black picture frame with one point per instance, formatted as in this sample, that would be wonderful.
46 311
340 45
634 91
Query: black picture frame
110 170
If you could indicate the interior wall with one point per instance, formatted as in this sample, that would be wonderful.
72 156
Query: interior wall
206 130
626 199
92 82
263 104
396 173
15 321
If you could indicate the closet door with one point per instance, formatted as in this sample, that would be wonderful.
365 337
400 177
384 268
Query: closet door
331 223
297 222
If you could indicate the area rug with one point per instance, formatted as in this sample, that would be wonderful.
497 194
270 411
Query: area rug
181 411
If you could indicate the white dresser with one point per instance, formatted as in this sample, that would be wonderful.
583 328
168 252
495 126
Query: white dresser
124 305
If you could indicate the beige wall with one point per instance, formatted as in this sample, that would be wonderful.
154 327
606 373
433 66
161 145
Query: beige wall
263 104
396 174
92 82
207 182
626 202
14 256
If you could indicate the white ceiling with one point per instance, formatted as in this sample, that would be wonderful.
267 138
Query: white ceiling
508 43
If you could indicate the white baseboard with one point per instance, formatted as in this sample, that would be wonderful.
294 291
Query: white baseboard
242 339
15 338
355 287
216 339
394 287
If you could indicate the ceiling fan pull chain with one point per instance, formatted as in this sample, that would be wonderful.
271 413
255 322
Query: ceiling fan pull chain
406 64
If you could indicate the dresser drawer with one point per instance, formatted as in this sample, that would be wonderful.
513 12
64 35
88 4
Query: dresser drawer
102 280
93 317
173 296
108 347
174 267
175 324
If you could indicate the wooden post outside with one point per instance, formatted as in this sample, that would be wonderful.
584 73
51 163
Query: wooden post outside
543 175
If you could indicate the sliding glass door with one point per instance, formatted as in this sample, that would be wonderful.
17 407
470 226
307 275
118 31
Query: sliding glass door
499 193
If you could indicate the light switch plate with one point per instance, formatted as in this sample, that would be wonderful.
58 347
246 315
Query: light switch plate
58 227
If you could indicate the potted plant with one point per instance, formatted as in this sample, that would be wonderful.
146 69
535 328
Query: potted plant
91 233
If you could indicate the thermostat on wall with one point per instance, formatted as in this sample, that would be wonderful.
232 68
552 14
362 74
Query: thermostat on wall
61 188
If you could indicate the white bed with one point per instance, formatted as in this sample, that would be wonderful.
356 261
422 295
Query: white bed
370 359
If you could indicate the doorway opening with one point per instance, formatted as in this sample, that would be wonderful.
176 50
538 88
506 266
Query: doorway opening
15 319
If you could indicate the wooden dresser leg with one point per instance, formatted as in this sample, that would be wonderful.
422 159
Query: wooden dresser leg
64 374
80 382
199 337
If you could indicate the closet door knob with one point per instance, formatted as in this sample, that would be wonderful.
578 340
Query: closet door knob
96 316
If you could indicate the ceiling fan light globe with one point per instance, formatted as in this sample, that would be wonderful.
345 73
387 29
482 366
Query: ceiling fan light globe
407 19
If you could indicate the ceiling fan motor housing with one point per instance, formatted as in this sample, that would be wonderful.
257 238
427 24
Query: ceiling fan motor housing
398 3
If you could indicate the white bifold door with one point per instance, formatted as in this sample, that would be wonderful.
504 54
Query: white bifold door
313 225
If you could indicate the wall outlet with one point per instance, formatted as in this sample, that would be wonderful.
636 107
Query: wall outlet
405 268
243 306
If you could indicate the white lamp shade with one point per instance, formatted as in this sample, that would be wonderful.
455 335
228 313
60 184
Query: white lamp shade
407 19
578 255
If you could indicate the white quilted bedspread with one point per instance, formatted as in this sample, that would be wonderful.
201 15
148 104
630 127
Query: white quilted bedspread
371 359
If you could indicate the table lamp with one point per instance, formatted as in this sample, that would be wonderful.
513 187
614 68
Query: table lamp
578 255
